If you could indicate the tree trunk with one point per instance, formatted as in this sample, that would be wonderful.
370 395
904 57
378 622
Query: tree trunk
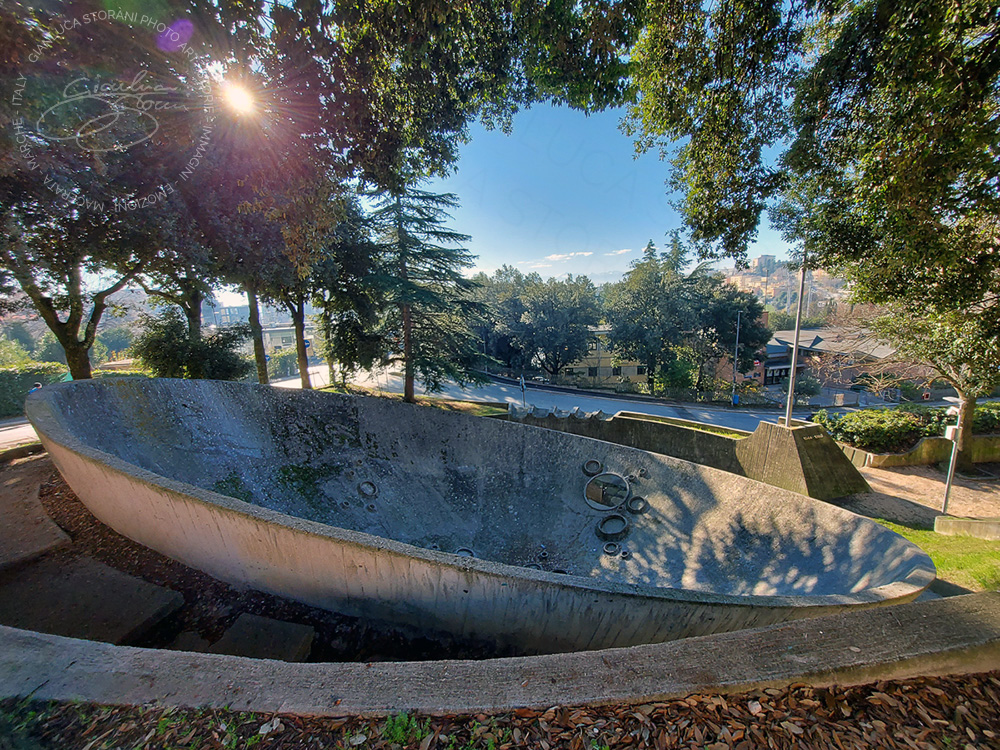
408 392
78 359
299 321
651 375
966 415
257 334
193 298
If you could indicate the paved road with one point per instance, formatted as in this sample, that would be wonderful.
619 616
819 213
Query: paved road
16 431
741 419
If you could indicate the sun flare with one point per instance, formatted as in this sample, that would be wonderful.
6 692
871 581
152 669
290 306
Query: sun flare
237 97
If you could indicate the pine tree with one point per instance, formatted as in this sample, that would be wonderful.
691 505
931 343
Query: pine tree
430 301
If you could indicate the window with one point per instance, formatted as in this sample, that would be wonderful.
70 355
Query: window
591 372
286 339
616 371
640 370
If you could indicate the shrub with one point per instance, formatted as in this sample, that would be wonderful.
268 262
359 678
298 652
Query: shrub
876 430
15 382
166 349
283 364
13 354
887 430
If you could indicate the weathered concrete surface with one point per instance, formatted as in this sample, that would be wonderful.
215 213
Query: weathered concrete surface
26 531
364 506
929 451
82 598
945 636
671 437
264 638
803 459
980 528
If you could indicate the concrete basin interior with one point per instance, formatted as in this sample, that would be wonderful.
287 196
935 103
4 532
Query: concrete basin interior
448 522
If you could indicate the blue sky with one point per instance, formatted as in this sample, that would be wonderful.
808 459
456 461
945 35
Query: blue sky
564 193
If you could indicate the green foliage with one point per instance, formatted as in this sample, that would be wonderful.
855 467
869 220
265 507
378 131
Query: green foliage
873 125
12 353
501 296
677 373
882 430
431 303
647 310
895 181
875 430
350 297
716 76
779 320
283 364
557 320
15 382
19 332
404 728
117 339
805 385
166 348
658 316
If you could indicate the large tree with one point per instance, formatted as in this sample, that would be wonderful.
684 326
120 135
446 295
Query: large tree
76 182
430 301
720 308
877 118
557 322
960 347
501 327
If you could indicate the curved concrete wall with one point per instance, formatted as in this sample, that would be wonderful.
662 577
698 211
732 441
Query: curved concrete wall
363 506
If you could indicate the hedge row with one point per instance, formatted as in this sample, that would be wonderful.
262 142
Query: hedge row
15 382
898 430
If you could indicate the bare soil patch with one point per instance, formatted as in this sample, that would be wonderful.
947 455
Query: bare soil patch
914 494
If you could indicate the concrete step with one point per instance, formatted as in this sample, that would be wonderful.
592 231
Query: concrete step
264 638
82 598
26 532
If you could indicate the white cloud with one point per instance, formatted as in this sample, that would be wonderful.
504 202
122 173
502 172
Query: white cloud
533 264
566 256
621 252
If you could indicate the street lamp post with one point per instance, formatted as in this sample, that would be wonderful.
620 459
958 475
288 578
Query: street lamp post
795 345
736 355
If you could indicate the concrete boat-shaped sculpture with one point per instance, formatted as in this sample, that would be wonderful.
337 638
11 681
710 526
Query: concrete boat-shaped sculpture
538 540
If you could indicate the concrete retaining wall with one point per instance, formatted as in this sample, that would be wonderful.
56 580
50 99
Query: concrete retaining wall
803 459
929 451
671 437
957 635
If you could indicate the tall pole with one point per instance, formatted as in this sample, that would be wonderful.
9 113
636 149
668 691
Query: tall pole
736 353
795 345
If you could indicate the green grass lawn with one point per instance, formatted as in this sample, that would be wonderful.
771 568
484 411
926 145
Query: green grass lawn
963 560
475 408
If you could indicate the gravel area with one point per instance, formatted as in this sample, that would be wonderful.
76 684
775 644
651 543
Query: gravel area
914 494
917 713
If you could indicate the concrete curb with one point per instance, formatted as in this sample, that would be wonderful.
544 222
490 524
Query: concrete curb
980 528
943 636
21 451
